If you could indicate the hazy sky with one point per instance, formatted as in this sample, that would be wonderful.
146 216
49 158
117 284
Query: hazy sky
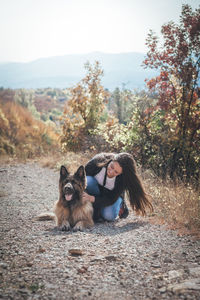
31 29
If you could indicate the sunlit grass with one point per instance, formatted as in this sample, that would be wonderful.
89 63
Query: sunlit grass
22 136
174 203
70 159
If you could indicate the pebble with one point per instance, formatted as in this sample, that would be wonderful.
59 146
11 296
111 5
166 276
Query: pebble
175 273
192 284
195 271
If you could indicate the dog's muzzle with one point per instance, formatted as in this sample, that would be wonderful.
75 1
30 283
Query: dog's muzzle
68 191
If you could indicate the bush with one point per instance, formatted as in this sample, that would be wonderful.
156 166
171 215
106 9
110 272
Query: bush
21 135
84 109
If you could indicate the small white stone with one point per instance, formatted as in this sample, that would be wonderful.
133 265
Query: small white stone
175 273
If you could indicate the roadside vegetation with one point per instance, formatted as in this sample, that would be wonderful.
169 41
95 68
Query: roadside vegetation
21 135
160 125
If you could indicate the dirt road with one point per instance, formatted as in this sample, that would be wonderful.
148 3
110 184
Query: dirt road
127 259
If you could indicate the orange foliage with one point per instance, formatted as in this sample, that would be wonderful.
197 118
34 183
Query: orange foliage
84 108
21 134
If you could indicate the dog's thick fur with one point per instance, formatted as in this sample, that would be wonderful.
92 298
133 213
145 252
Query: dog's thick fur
70 210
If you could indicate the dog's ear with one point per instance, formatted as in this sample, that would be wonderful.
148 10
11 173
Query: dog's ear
80 173
63 172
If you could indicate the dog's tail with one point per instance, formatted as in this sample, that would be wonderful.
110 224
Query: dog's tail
48 216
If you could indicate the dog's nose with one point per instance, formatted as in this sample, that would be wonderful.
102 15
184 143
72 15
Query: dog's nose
68 186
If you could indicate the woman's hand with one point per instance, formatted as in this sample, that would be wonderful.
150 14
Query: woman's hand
87 197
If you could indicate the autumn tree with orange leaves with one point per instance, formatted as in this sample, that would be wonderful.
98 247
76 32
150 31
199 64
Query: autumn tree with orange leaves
84 108
177 91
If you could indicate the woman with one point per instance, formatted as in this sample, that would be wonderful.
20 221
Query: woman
109 176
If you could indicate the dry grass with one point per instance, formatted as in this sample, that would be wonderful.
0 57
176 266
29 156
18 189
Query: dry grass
71 160
175 204
21 135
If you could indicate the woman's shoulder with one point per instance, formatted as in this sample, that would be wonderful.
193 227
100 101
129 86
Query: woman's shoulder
103 156
94 165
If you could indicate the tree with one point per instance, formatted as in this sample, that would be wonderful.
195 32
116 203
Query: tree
24 97
84 108
118 102
121 104
177 87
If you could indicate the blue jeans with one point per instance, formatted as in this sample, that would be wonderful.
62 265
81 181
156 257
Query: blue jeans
109 213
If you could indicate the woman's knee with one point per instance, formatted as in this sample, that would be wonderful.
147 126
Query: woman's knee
109 214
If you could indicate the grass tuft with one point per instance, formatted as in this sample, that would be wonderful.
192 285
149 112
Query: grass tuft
175 203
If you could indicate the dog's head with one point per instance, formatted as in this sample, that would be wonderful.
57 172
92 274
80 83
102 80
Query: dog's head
72 186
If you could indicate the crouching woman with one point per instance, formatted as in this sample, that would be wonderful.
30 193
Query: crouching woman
109 176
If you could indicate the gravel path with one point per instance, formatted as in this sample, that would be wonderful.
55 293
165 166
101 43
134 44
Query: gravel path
126 259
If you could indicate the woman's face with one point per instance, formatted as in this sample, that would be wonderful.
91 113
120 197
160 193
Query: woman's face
114 169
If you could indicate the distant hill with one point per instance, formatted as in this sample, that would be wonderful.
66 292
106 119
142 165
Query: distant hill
64 71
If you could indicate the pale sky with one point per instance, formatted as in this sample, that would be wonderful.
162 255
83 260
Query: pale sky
31 29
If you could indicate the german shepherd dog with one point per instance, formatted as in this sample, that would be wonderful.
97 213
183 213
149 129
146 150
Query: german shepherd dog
70 210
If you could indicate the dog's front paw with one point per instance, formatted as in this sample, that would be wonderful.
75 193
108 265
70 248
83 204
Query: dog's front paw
65 227
78 227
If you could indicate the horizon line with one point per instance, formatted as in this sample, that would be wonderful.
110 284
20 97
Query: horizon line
70 54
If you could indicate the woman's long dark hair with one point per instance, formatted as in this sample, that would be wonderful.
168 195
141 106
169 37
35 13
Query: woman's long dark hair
132 184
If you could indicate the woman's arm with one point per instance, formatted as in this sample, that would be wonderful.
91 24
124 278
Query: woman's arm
93 166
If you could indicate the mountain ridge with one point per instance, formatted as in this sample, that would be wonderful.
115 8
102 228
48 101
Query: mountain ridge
120 69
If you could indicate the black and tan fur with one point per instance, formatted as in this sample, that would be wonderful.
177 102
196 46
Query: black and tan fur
70 210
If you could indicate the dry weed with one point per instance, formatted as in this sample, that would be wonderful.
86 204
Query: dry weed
71 160
174 203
